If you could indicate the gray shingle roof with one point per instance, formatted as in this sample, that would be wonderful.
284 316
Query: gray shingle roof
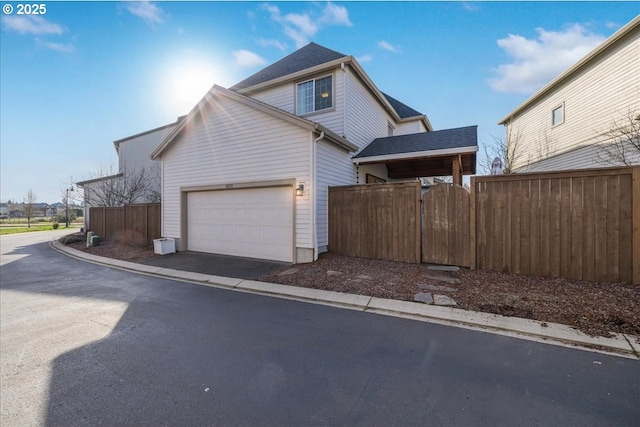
303 58
425 141
403 110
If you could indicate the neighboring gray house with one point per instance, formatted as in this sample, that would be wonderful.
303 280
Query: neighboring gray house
247 172
133 158
567 123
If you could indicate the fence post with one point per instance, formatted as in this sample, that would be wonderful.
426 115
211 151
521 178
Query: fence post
635 215
418 222
472 224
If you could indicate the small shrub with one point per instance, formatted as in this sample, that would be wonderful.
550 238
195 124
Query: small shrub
55 225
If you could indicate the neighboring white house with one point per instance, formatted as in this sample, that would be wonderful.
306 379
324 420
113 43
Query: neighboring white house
247 172
134 159
566 123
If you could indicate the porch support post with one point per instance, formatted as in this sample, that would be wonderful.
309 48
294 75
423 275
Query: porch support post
457 170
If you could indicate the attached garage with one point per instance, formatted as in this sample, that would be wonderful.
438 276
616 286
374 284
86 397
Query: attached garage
251 222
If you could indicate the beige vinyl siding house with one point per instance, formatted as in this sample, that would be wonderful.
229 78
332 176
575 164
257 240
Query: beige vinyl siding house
248 171
562 126
261 148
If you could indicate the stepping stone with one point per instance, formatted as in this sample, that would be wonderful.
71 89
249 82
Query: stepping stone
363 277
334 273
424 297
450 280
443 268
443 300
289 272
437 288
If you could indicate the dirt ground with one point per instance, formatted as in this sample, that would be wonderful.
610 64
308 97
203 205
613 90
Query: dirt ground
594 308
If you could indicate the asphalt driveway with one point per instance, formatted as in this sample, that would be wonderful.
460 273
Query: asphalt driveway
217 265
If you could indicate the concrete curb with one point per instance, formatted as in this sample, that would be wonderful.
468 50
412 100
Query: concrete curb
551 333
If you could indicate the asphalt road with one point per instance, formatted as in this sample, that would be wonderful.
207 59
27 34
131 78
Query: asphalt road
82 344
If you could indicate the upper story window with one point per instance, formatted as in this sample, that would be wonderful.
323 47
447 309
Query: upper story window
557 115
314 95
390 129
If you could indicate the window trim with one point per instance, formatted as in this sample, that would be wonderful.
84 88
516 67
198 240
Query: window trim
391 129
313 79
553 110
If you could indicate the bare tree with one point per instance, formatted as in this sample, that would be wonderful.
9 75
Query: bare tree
508 148
129 187
547 145
620 142
29 206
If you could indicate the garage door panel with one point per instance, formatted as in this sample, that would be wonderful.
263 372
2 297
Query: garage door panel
255 223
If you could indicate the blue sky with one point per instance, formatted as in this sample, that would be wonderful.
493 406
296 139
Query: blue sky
87 73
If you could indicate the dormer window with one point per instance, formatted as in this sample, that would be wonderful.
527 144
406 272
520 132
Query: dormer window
314 95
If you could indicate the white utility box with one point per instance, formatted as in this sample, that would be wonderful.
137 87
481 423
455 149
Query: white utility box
164 245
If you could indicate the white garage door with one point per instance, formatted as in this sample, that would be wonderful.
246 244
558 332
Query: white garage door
255 223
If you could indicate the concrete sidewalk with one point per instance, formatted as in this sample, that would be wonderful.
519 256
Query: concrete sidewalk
551 333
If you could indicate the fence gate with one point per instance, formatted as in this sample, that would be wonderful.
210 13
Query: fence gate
446 225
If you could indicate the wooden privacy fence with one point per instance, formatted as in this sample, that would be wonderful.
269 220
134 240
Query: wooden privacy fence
582 225
376 221
136 224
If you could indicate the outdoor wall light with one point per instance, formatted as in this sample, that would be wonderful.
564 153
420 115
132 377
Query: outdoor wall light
300 189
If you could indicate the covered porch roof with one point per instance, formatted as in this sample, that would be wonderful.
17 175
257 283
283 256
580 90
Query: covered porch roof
437 153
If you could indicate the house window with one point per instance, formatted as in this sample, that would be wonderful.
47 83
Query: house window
557 115
389 129
314 95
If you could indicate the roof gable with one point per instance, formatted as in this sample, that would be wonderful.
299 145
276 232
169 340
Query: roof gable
314 57
309 56
253 103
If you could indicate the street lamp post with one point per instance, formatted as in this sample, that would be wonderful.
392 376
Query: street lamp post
66 200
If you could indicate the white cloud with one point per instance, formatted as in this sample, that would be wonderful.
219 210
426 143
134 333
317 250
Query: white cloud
272 43
31 24
387 46
58 47
612 25
365 58
335 15
247 59
147 11
302 22
534 62
301 27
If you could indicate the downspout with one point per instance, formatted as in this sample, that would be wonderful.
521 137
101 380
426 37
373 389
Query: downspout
344 103
314 195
